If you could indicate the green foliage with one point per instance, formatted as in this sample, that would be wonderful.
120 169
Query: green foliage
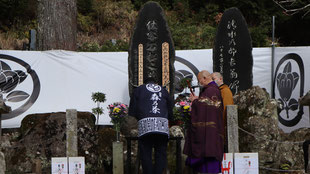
15 13
107 46
208 13
89 47
85 23
98 97
97 111
259 37
184 82
167 5
285 166
120 45
180 12
85 6
193 36
192 22
108 12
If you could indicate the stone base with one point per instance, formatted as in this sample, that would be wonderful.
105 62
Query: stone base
2 163
118 158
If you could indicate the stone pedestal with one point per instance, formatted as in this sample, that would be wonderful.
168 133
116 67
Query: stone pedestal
71 145
183 155
232 128
118 158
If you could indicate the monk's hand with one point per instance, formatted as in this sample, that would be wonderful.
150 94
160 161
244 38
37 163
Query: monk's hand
193 97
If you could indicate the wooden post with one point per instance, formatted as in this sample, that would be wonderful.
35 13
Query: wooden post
71 145
165 65
36 167
232 128
140 65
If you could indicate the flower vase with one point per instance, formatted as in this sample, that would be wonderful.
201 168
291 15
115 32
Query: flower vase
117 129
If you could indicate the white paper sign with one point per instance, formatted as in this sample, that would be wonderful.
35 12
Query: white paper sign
59 165
76 165
228 163
246 163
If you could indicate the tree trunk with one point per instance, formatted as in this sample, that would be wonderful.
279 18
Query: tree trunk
57 24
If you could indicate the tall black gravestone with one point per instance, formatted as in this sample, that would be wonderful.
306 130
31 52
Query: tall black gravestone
151 50
232 53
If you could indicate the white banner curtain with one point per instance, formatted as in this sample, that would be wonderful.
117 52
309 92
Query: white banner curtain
291 81
68 79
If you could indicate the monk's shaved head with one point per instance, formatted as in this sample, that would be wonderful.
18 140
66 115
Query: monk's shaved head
204 77
204 73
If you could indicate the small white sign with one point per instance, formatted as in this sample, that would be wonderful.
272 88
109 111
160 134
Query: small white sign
246 163
60 165
228 163
76 165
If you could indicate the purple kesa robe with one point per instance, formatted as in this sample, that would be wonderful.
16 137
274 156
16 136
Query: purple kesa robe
204 143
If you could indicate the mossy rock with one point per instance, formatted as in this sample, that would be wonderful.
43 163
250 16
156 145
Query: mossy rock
106 137
33 120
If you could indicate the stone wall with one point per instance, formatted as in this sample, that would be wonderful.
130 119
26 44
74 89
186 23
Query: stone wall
2 163
43 136
258 120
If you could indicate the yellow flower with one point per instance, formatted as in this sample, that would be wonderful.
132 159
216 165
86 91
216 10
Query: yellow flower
116 110
186 107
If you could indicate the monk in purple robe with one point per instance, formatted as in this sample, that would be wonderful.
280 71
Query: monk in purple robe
204 142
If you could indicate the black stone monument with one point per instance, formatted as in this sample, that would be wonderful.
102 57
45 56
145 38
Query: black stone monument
151 49
232 53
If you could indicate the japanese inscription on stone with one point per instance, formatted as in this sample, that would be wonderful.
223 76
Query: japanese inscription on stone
232 53
151 48
232 26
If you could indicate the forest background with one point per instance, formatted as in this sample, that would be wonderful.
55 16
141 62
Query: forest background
106 25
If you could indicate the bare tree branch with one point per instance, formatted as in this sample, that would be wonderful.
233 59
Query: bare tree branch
306 13
287 1
288 9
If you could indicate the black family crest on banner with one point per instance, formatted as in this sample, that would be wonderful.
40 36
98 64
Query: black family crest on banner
184 73
285 84
151 50
232 53
10 79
